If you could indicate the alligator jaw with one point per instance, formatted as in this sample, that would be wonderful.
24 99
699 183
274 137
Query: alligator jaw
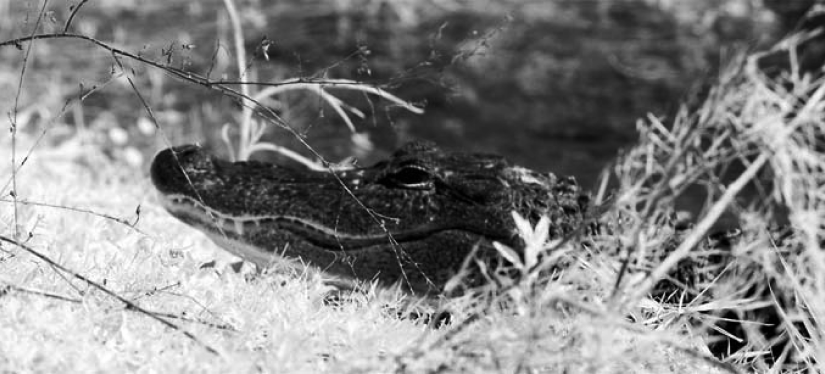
227 231
232 229
266 240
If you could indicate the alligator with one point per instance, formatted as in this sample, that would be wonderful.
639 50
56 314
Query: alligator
415 220
411 220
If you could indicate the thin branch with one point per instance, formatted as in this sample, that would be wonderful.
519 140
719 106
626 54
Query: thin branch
344 84
121 221
221 86
262 111
11 287
8 286
15 110
318 90
75 9
66 105
129 304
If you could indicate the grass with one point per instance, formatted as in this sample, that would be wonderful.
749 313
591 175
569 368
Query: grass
277 321
582 320
274 323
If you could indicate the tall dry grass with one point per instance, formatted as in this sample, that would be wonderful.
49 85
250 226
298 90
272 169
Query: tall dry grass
754 147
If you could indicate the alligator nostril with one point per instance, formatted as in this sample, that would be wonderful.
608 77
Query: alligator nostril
167 167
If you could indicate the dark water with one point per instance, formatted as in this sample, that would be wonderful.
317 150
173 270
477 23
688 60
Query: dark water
551 85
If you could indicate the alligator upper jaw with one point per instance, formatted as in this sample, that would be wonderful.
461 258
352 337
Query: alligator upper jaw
236 228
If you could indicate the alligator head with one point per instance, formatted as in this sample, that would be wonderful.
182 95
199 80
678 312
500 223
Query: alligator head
414 218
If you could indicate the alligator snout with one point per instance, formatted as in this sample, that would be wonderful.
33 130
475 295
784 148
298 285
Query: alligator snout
173 167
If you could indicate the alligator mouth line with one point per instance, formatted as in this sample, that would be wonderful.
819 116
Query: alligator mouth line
237 227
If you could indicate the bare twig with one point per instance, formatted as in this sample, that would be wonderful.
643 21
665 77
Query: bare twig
344 84
66 105
8 286
50 295
14 193
78 210
129 304
75 9
261 110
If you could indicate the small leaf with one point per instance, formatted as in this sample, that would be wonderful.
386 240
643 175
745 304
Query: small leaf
509 254
531 256
524 227
542 230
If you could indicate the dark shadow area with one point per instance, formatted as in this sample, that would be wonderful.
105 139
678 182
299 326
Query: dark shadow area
551 85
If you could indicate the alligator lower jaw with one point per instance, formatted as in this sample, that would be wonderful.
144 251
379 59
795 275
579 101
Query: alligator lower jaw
234 231
194 212
235 227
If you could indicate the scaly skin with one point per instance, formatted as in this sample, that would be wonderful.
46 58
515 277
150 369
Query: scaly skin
412 219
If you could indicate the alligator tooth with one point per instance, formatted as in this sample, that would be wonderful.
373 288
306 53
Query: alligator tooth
238 227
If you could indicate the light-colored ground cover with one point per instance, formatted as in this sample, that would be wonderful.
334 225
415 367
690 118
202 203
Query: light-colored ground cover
277 322
50 322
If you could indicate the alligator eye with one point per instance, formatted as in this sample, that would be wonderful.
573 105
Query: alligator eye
413 177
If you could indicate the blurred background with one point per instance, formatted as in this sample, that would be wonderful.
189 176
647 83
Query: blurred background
554 85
